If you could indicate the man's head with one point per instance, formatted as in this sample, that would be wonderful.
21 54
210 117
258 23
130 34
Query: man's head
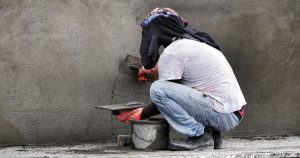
161 10
159 29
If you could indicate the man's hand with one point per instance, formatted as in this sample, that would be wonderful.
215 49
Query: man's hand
146 75
127 115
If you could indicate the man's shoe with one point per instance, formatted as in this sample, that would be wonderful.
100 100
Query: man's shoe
204 141
217 137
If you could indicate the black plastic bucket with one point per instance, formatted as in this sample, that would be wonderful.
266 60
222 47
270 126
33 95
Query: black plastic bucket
152 134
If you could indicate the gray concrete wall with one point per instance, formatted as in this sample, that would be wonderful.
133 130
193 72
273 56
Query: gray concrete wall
60 58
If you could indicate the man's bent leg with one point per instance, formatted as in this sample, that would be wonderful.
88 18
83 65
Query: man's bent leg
176 103
194 110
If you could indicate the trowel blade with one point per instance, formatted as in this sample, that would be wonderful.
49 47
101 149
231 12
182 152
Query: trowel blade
124 106
130 65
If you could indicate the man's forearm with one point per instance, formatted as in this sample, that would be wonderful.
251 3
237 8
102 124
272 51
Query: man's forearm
149 111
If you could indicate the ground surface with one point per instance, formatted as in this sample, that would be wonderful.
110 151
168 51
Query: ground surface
233 147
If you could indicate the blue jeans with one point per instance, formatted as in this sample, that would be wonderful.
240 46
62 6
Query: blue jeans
187 110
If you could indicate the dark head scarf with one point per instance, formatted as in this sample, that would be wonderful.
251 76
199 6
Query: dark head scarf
161 30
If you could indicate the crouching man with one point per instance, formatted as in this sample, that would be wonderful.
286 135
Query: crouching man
196 91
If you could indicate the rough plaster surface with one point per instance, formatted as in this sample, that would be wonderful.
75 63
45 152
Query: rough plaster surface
233 148
60 58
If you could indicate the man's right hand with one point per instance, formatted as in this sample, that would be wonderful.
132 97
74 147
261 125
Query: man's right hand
147 75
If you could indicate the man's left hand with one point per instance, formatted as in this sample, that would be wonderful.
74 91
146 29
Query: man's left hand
125 116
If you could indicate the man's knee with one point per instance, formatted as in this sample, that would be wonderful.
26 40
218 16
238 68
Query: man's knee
156 90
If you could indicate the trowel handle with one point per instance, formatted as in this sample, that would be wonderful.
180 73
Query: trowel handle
150 76
134 67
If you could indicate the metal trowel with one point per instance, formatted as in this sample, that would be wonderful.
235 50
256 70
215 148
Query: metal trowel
131 65
123 106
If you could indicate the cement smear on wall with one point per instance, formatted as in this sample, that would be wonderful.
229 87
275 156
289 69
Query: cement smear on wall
60 58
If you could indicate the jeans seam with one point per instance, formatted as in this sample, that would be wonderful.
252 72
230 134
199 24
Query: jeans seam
218 121
193 98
